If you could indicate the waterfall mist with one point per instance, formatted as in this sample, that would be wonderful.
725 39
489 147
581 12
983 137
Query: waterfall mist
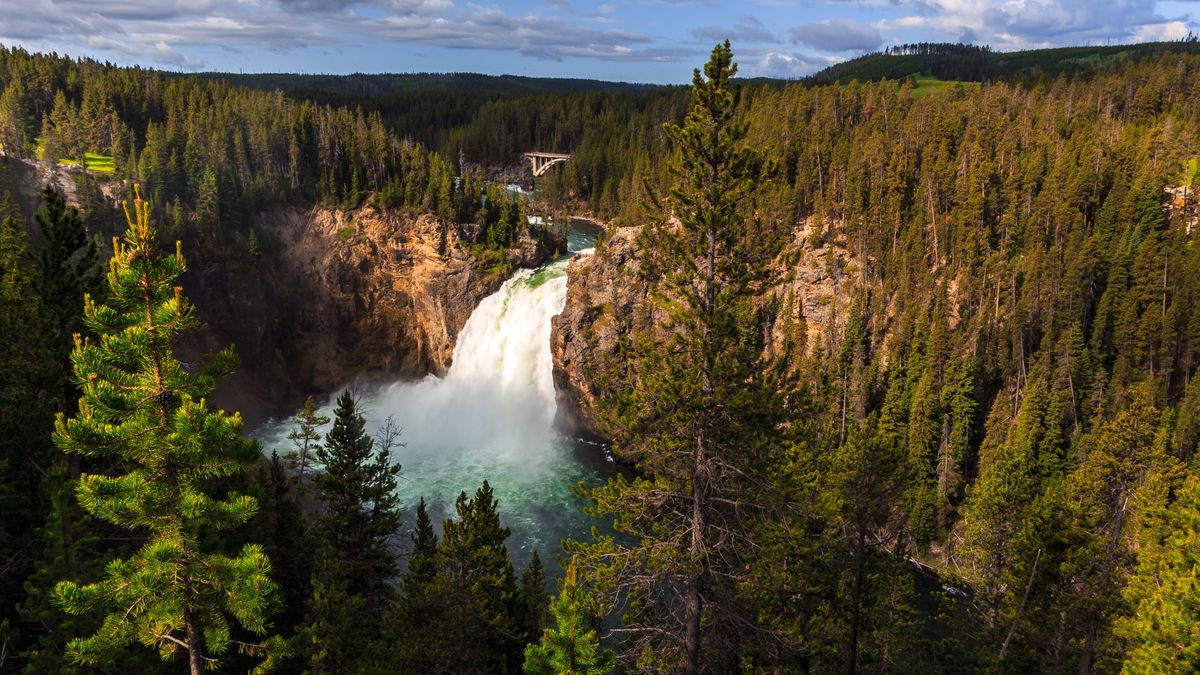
490 418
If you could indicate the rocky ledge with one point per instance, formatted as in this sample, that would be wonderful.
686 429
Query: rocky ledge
339 295
607 300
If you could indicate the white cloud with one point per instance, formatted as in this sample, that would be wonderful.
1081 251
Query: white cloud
1021 24
1161 32
528 34
787 65
173 32
838 35
156 31
747 30
160 52
397 6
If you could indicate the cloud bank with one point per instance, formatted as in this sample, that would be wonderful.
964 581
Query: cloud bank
771 37
158 32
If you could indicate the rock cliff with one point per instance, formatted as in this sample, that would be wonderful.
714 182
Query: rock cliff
337 295
815 278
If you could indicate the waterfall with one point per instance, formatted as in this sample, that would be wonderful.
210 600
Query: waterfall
491 417
495 407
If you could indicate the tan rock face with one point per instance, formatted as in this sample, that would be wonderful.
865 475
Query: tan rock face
607 303
814 287
336 296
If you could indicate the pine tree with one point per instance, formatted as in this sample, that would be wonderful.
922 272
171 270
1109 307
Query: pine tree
354 560
476 582
1011 477
60 130
703 416
414 628
28 397
1164 628
67 271
572 646
954 456
306 436
14 120
531 599
279 525
339 627
423 564
864 482
141 407
357 486
1124 463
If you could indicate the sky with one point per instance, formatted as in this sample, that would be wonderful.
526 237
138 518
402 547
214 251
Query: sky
657 41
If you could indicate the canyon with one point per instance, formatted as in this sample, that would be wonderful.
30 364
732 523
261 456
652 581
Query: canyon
339 295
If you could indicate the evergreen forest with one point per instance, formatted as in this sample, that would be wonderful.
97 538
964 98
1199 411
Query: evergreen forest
985 460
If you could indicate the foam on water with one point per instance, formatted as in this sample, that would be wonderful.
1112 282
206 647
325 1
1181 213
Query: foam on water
491 417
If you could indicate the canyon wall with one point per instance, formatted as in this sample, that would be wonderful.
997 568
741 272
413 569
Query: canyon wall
336 295
608 301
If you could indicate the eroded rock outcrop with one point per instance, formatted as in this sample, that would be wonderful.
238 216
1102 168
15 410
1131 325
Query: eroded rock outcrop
337 295
608 301
605 302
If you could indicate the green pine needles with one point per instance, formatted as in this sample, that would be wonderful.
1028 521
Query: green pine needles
144 411
702 416
572 647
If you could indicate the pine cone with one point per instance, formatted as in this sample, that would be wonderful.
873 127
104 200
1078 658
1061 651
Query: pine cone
164 398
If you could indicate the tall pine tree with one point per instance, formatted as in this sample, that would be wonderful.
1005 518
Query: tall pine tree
476 580
67 267
414 629
703 417
28 397
141 407
354 560
1164 627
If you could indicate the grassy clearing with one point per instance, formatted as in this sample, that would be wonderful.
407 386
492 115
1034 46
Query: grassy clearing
95 162
1100 61
928 84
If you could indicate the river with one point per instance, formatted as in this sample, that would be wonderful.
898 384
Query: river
491 418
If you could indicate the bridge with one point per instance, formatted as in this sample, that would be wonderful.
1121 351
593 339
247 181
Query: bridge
542 161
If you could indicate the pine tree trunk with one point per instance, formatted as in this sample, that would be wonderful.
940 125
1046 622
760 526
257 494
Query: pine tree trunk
1020 610
694 604
195 642
1089 647
856 602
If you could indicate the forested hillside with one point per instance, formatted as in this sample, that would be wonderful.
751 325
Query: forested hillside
983 460
1008 403
974 63
209 158
210 155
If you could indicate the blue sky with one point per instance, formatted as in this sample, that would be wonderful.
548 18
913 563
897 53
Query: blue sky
631 40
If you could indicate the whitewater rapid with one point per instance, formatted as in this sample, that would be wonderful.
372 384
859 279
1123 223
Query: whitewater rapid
490 417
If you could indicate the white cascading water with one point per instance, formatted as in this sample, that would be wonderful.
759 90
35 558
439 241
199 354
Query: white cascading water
492 415
490 418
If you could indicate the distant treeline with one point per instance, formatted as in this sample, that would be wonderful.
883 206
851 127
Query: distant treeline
211 155
973 63
492 120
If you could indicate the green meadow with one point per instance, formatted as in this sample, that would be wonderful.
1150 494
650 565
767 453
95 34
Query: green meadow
93 161
929 84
